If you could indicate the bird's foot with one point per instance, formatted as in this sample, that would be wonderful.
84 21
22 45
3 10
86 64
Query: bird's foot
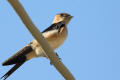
58 57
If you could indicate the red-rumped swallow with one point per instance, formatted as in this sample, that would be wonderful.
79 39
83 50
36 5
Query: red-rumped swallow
55 34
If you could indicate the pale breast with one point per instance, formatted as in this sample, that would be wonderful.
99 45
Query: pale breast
58 39
54 38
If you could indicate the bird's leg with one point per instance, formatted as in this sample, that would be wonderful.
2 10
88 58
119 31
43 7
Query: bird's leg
58 57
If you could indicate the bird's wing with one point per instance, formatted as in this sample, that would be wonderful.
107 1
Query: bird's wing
54 26
14 68
19 57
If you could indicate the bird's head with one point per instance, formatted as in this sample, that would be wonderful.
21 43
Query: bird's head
65 17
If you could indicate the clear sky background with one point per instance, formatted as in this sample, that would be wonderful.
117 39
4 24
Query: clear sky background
91 51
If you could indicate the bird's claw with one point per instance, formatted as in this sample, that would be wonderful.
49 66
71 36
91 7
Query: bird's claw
58 57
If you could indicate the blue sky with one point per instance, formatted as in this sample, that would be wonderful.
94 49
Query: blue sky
91 51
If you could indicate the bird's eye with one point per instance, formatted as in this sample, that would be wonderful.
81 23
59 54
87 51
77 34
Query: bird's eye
62 15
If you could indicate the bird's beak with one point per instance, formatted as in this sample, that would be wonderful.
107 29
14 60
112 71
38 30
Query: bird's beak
71 17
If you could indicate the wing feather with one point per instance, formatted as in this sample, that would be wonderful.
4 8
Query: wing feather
19 57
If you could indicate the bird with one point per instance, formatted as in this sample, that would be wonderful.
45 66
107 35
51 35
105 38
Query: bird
55 34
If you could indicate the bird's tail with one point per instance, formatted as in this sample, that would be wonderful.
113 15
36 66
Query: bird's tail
14 68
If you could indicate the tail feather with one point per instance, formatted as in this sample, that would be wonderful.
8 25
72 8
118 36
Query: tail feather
19 57
17 60
14 68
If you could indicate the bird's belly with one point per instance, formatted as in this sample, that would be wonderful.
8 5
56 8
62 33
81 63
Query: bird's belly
58 38
56 42
53 43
